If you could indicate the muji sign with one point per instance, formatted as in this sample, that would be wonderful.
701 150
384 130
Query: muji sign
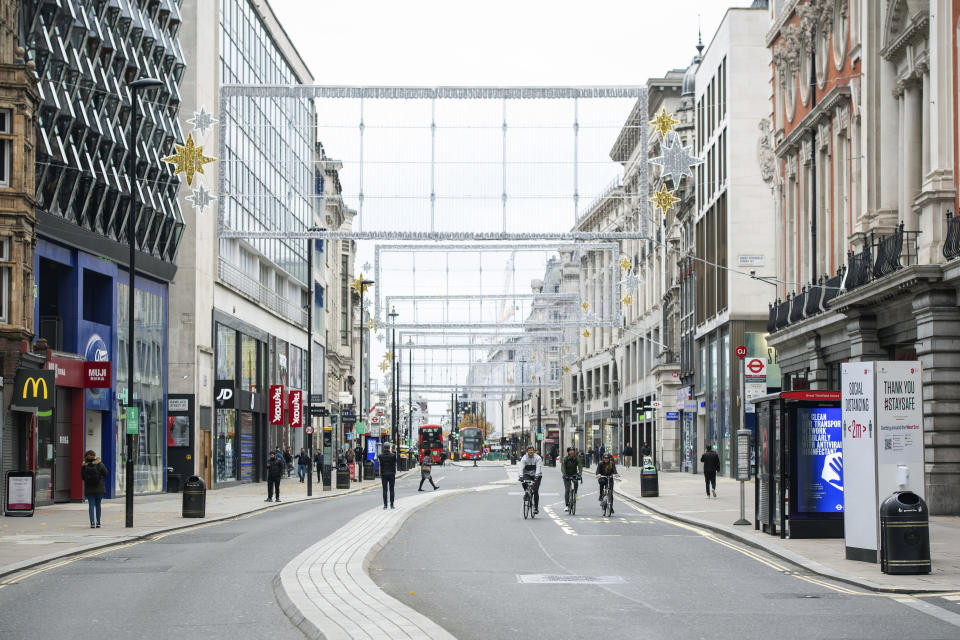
296 408
275 408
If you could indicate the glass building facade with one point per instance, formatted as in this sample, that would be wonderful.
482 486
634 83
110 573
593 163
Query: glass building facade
271 154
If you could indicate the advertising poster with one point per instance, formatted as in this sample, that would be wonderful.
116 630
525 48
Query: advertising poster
899 425
820 460
859 452
20 492
178 431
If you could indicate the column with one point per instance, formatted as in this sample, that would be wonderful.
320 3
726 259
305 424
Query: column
938 349
912 153
889 127
863 339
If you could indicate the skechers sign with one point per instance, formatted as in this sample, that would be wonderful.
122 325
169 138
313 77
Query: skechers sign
276 404
296 408
35 389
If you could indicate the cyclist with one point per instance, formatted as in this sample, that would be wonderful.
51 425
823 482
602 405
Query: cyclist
531 470
571 468
606 469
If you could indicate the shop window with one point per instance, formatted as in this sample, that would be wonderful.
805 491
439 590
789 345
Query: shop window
97 297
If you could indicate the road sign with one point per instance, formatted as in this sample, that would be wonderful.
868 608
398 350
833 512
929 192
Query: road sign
741 352
756 368
347 416
133 420
309 429
656 404
673 416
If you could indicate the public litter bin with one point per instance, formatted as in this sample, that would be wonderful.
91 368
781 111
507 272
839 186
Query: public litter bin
904 534
369 473
513 458
194 498
649 480
343 476
174 480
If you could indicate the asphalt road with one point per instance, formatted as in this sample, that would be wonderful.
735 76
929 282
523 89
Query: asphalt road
215 581
461 562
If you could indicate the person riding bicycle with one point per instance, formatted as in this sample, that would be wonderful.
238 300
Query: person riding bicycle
606 469
531 470
571 468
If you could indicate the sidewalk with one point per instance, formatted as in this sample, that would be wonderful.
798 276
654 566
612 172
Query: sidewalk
64 529
682 497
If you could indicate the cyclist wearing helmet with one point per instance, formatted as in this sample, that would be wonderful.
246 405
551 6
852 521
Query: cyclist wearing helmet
571 468
531 470
606 469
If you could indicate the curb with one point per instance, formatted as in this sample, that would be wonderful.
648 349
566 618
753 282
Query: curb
774 550
17 567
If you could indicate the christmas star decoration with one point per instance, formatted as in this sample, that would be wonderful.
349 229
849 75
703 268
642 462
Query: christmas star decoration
188 159
676 160
584 305
632 282
586 333
625 264
664 199
566 347
566 369
509 380
202 120
366 266
380 337
388 356
384 366
664 122
371 325
201 198
359 285
627 300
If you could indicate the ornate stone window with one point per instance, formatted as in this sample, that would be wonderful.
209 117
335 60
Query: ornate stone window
823 53
803 80
840 30
788 81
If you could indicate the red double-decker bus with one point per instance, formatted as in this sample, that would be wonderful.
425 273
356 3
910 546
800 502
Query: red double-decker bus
430 444
471 443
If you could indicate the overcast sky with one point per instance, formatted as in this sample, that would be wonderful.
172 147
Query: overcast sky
496 42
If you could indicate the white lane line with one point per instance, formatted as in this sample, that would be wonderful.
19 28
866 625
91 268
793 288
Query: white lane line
930 609
567 529
326 591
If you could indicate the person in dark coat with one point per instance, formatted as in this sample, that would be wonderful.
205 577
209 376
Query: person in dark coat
388 472
288 460
93 473
627 455
645 449
275 468
318 460
425 474
303 461
711 465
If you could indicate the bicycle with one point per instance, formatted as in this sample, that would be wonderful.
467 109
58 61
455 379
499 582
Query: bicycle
528 510
572 502
606 496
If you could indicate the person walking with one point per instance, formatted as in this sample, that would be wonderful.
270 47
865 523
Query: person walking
303 461
645 450
589 456
93 472
318 460
288 460
711 465
388 472
627 454
275 467
426 475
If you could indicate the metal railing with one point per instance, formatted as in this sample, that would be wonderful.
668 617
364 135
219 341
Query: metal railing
951 243
251 288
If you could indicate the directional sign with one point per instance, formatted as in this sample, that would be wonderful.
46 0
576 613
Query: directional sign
741 352
756 368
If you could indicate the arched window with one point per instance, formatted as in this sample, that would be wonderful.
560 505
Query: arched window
788 81
840 30
804 73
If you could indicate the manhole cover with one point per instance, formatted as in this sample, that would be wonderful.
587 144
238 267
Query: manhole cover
550 578
802 596
196 538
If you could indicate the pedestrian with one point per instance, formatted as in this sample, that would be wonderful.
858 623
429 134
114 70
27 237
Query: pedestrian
711 465
627 456
589 456
601 453
645 450
288 460
388 472
275 467
425 474
303 461
93 472
318 460
350 455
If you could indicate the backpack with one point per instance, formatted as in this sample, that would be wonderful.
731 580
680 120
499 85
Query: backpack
91 473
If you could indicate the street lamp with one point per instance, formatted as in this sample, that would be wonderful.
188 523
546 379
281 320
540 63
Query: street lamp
394 392
135 87
410 384
360 286
308 422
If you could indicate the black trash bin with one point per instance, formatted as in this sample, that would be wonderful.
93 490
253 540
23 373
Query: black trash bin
904 534
343 476
174 480
649 481
369 472
194 498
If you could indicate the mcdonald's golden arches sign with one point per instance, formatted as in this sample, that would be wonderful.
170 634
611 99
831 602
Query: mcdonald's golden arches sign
35 388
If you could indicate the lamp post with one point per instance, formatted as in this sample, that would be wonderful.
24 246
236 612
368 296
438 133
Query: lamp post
308 419
393 391
410 384
360 285
135 87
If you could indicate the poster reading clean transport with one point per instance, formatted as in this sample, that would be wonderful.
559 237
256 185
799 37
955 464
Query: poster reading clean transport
820 460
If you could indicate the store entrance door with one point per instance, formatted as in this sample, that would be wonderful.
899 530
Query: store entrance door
206 453
61 446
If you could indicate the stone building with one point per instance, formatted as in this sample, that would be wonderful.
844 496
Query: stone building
865 130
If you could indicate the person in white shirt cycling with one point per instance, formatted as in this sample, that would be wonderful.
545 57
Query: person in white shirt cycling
531 470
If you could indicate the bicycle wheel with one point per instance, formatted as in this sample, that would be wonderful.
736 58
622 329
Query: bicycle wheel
527 509
573 502
606 506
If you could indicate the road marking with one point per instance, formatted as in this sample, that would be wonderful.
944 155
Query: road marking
930 609
567 529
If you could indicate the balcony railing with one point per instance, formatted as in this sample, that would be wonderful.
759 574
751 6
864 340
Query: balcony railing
878 259
951 244
251 288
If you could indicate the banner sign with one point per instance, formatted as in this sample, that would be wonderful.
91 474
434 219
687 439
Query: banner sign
347 416
20 493
820 460
899 424
860 491
275 406
97 375
35 389
223 393
743 455
296 408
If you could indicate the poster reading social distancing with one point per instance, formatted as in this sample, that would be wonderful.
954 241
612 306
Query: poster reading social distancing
860 468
